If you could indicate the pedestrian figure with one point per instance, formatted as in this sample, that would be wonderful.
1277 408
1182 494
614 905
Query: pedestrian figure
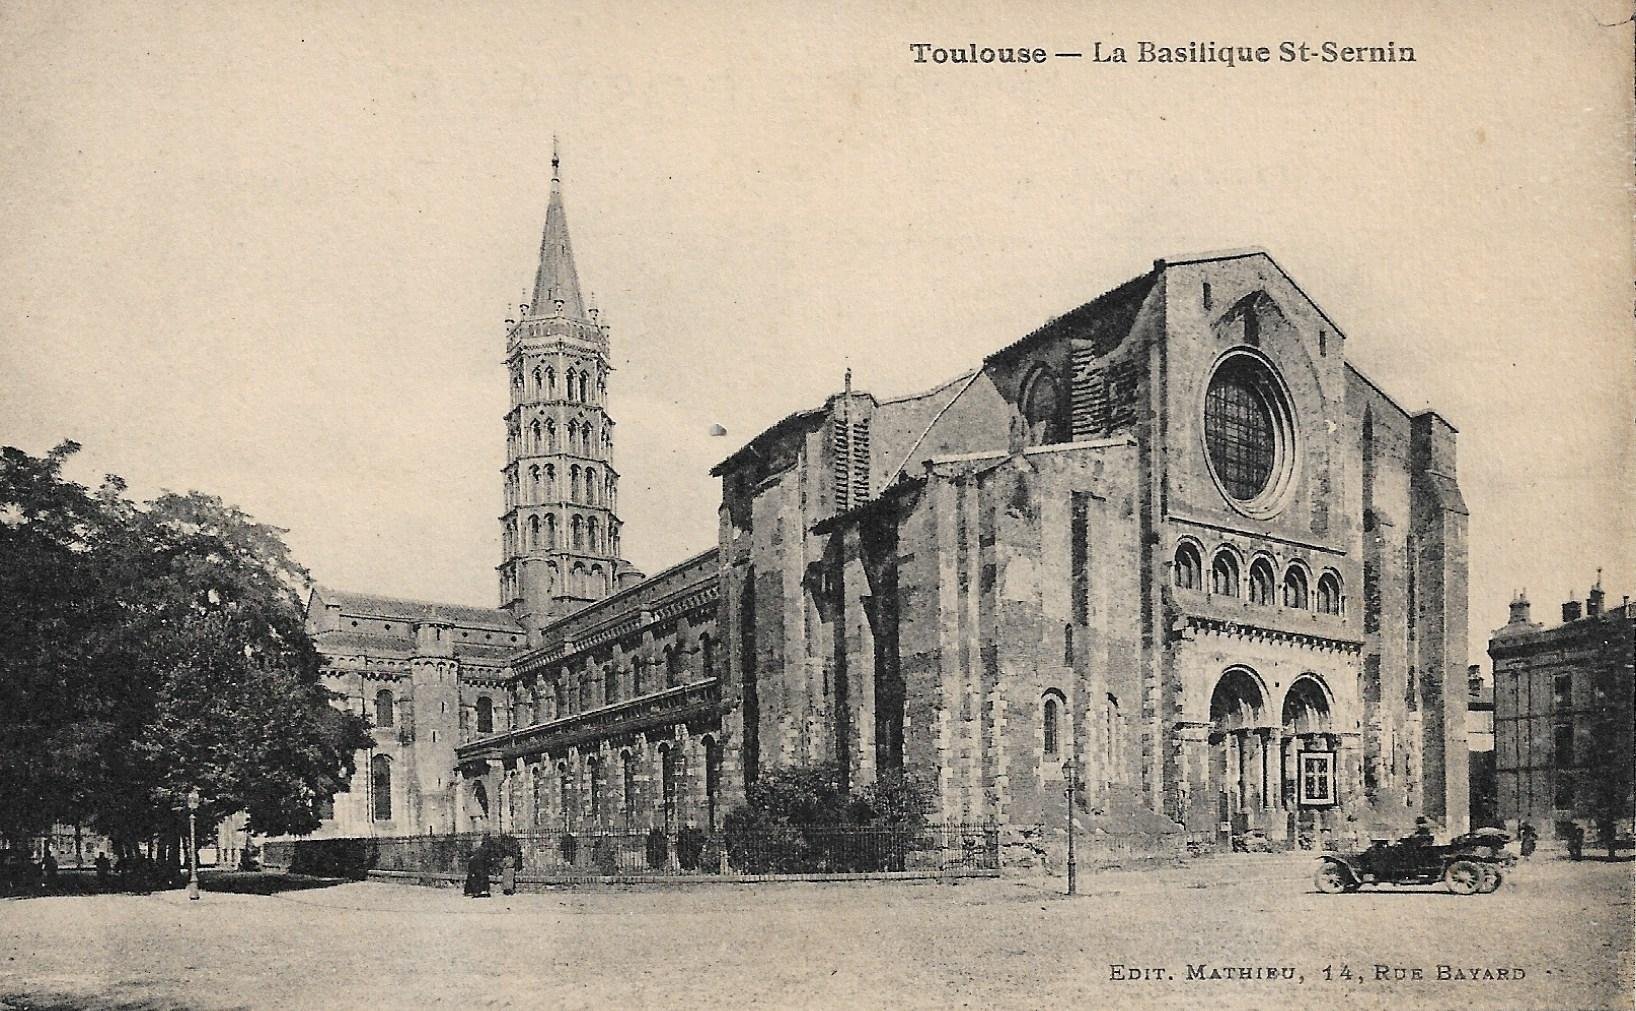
1422 832
1576 840
477 875
103 868
1529 837
508 874
48 864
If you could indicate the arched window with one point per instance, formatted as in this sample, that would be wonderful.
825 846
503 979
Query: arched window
712 780
593 782
673 667
582 395
571 375
707 655
577 528
537 780
380 787
1261 582
1224 575
1067 645
599 583
565 794
534 480
1329 593
1188 567
550 436
539 378
485 715
610 684
533 531
550 530
1042 409
383 708
535 428
1295 588
667 783
559 698
628 760
1049 718
573 483
590 486
551 480
585 439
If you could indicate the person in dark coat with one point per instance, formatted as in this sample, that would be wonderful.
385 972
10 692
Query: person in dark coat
477 874
103 867
1529 838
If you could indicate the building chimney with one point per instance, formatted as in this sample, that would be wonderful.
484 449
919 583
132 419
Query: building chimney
1570 610
1594 599
1474 680
1519 608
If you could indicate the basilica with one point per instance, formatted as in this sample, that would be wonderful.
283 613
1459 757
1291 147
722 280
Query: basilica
1170 543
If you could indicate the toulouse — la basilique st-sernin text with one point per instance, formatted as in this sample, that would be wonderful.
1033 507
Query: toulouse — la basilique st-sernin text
1152 52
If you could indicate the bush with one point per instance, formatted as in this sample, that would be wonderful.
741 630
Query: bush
689 847
569 847
658 848
798 821
604 857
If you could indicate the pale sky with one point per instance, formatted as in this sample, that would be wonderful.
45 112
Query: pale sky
266 251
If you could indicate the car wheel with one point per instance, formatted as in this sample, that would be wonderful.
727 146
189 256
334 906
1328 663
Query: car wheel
1492 877
1464 877
1331 879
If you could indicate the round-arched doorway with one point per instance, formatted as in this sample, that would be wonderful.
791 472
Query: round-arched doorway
1310 748
1239 729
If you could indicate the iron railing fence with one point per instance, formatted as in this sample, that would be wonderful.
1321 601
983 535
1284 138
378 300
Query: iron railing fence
936 849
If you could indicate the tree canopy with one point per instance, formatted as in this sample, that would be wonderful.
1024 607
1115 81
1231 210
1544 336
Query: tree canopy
153 648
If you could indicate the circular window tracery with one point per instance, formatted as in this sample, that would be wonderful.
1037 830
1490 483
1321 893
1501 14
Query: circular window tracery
1249 432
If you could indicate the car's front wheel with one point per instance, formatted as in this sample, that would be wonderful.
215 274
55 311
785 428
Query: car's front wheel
1464 877
1332 878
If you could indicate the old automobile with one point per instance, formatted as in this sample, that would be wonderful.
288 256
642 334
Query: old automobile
1468 864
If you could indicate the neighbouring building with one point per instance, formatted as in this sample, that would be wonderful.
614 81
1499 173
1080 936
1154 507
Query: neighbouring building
1563 716
1484 777
1172 539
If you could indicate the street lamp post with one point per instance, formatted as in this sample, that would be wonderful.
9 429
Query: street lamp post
192 845
1068 769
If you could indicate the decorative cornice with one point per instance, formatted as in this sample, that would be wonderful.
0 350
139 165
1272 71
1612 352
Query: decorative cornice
639 715
1238 630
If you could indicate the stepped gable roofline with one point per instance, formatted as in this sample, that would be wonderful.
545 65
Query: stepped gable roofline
375 605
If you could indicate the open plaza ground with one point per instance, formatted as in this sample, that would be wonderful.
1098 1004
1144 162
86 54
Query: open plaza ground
1167 937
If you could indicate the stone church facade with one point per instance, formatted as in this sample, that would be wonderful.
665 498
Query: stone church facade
1170 542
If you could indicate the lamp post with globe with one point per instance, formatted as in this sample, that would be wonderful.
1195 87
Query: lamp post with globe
192 844
1069 772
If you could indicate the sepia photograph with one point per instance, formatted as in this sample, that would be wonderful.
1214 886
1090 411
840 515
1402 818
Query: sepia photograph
570 505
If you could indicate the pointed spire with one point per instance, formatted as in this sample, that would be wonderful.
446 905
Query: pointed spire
556 280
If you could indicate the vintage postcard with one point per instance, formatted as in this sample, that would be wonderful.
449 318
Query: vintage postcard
561 504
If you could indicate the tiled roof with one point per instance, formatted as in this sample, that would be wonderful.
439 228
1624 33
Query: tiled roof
417 610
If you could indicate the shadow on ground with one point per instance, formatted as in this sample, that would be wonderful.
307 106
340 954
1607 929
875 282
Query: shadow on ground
235 882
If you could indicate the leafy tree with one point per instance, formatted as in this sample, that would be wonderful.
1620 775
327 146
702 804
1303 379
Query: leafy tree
158 648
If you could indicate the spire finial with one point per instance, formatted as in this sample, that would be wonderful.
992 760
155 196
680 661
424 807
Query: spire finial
849 380
556 162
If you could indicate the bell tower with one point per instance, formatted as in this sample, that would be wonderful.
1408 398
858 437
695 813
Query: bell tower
560 531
